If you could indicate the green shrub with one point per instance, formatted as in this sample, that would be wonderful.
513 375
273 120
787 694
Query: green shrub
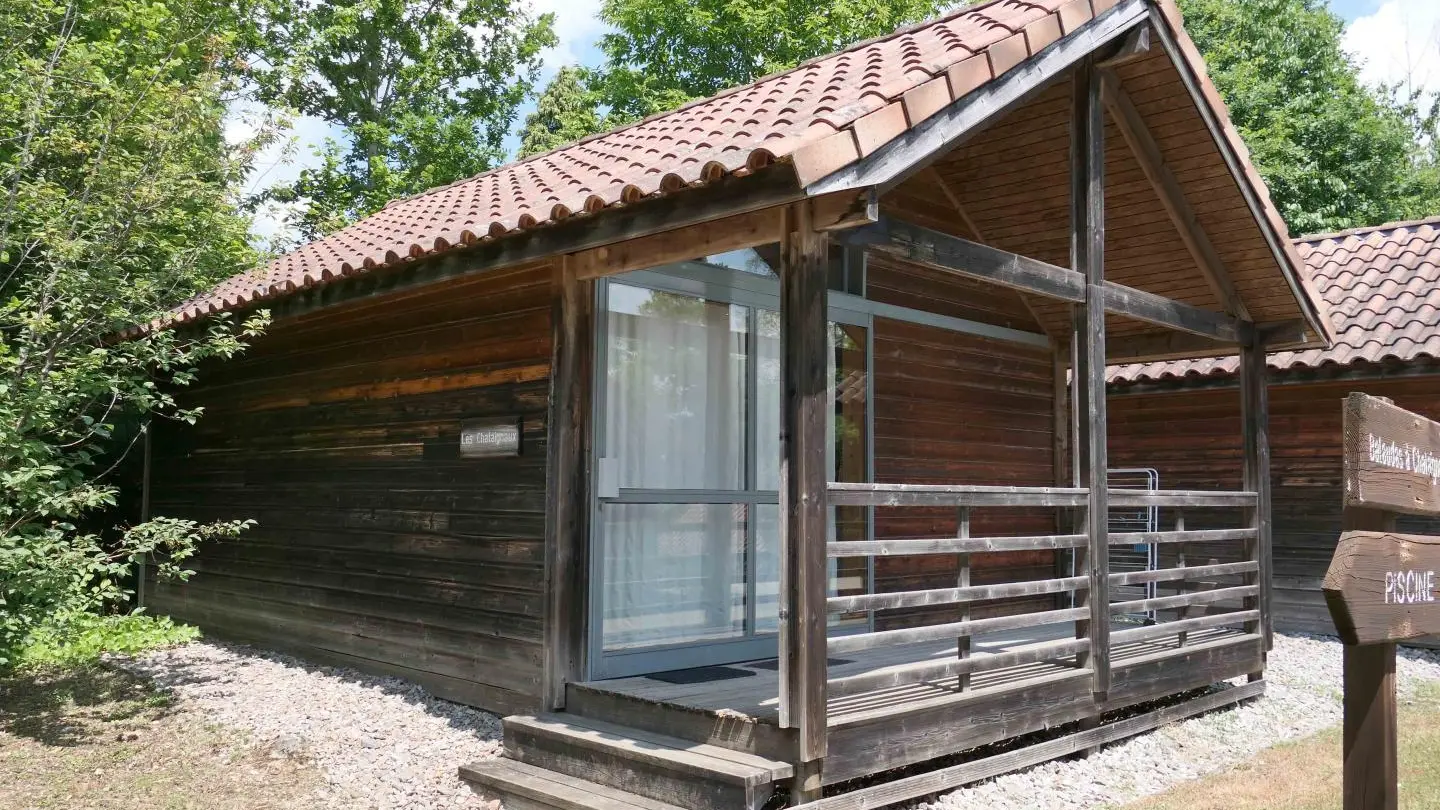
79 638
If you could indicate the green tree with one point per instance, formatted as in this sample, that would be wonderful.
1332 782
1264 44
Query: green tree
1334 153
565 112
664 53
116 201
424 92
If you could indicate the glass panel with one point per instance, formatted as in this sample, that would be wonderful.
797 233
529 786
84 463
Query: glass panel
673 573
675 393
849 395
848 419
847 457
767 568
757 261
767 419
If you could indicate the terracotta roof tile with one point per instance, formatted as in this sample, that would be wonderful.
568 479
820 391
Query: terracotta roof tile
1383 288
805 115
819 117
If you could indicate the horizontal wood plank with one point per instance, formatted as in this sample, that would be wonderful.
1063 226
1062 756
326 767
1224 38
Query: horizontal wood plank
913 635
953 495
890 677
952 545
948 596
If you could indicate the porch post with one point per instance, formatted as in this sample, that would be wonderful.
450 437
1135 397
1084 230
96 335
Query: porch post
1087 256
1255 415
566 535
803 478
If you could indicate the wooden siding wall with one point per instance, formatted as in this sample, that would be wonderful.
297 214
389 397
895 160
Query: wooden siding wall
378 546
1193 438
952 408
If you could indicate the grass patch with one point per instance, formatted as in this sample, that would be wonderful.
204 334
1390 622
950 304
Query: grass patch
1306 775
78 639
94 737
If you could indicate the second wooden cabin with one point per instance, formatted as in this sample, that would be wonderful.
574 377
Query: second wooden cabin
1383 288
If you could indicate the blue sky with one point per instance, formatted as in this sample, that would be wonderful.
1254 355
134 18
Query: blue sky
1395 41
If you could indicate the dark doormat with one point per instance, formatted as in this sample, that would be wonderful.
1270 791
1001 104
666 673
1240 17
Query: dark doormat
774 663
700 675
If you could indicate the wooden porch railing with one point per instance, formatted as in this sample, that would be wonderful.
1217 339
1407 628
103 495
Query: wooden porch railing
964 499
1197 584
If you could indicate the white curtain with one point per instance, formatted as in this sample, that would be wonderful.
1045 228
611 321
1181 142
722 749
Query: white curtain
675 419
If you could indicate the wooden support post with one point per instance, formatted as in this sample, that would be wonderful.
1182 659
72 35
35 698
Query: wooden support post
962 644
1064 521
1371 756
1079 455
803 648
1371 735
566 526
1255 412
1181 587
1087 256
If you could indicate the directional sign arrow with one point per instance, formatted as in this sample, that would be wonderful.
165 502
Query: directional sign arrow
1384 587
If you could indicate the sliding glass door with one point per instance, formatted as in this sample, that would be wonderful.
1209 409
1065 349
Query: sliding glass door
686 539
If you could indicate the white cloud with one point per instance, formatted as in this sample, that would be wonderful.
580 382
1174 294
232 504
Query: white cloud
577 26
1398 42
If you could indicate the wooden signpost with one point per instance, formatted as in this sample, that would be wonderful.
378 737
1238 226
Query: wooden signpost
1382 587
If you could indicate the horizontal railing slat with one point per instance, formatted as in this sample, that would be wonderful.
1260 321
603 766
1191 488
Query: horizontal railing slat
1184 572
904 674
935 632
854 494
847 494
1171 628
950 596
1193 536
1185 599
1181 497
952 545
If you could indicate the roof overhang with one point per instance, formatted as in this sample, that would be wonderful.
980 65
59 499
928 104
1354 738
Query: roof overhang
875 146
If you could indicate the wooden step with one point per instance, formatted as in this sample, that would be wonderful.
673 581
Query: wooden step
525 787
723 730
693 775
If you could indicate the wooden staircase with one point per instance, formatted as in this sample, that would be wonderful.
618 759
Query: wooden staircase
565 761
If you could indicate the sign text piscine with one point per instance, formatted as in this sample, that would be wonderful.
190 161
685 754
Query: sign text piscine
1409 587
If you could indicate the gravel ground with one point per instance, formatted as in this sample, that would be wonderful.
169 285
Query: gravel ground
1302 696
381 743
385 743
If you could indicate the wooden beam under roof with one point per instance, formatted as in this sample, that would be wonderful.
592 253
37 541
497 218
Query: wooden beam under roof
1172 314
1147 153
1184 346
943 251
951 253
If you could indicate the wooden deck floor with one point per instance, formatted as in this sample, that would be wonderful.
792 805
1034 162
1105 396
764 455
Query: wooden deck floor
755 694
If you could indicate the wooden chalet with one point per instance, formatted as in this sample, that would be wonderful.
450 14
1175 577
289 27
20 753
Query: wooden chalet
1383 288
757 450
